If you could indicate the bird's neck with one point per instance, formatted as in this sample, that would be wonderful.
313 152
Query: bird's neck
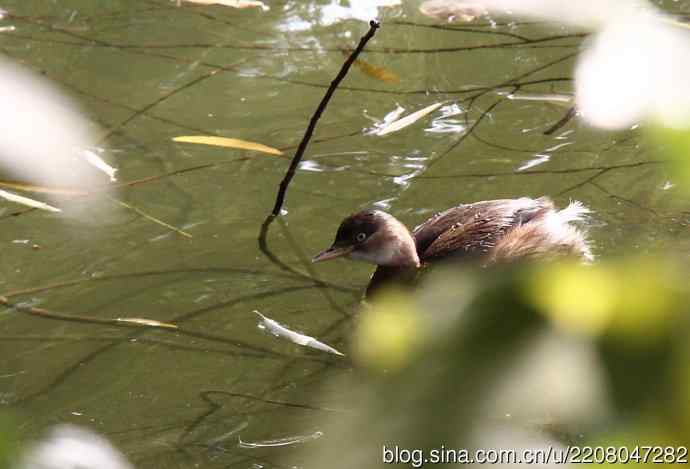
400 248
386 277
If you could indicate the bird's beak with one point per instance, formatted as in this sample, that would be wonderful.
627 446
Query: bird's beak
332 253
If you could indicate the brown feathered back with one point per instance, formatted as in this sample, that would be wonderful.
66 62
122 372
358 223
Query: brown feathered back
473 229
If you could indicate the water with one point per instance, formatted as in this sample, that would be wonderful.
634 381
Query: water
147 71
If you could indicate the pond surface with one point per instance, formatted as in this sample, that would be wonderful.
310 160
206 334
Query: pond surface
147 71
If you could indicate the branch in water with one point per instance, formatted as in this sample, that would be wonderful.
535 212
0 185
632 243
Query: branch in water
572 112
280 198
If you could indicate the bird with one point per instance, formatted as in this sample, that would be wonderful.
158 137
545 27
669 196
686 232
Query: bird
489 232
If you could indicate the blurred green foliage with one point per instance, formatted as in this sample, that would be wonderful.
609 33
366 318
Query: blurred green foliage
8 443
674 145
433 362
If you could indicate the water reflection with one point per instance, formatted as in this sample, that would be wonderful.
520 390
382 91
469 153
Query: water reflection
178 399
444 124
362 10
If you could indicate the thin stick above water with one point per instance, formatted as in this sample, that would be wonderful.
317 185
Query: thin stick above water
280 197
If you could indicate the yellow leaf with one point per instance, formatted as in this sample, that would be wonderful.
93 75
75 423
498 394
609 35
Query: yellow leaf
228 143
147 322
377 72
374 71
407 120
27 201
20 186
233 3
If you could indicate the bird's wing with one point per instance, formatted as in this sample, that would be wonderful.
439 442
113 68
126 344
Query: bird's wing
474 228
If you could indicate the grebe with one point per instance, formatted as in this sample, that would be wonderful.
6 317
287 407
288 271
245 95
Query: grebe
490 231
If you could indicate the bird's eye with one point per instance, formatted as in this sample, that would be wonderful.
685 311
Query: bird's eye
361 237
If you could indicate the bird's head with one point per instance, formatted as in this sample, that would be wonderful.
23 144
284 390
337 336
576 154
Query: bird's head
373 236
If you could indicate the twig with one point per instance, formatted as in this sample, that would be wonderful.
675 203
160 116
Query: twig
151 218
119 322
205 395
583 183
572 112
280 198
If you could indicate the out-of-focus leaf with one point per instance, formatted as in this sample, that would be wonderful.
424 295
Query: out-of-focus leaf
279 330
682 389
228 143
20 186
636 298
27 201
147 322
452 10
676 147
8 440
389 332
407 120
98 163
579 300
233 3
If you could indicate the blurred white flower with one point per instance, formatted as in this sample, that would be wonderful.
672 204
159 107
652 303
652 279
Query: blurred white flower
363 10
43 133
636 67
589 14
69 447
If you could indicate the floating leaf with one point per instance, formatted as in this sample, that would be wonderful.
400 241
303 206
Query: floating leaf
27 201
377 72
20 186
290 440
228 143
407 120
147 322
279 330
374 71
557 98
96 161
233 3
